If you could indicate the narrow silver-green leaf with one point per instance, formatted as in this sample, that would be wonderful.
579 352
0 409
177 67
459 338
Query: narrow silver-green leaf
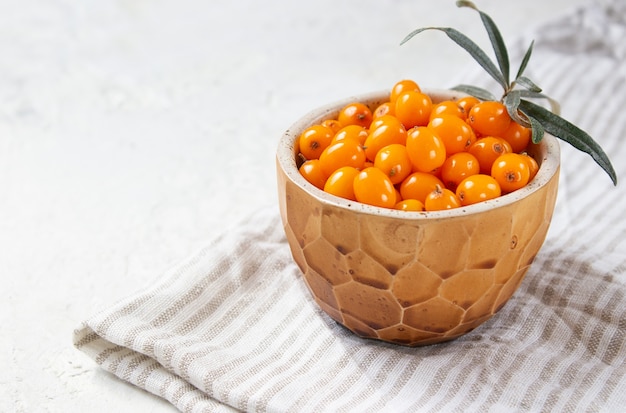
495 37
528 84
569 133
472 48
511 101
536 129
477 92
525 60
555 106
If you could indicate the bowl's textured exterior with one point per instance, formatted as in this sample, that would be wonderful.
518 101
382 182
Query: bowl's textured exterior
412 278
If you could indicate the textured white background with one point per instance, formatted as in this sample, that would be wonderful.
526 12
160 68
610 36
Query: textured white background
133 131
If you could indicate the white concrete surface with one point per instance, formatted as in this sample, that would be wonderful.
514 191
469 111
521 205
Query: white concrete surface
133 131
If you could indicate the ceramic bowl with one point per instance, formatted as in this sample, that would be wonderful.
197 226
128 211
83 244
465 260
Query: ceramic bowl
412 278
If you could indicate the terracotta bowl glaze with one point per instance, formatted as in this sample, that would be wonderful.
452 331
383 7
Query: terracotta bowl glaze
412 278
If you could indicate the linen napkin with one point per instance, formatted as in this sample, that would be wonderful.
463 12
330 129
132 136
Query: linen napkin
234 328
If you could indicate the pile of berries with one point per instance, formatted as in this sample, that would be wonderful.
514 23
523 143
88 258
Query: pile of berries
415 155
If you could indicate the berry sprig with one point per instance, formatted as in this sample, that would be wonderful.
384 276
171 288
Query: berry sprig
518 92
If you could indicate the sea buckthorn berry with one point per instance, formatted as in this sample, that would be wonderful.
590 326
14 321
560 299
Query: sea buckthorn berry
477 188
425 148
347 152
456 134
311 170
489 118
383 109
457 167
355 132
487 150
332 124
507 146
394 161
398 195
314 140
373 187
448 107
413 108
401 87
409 205
341 182
440 199
386 130
511 171
517 136
533 166
355 114
385 120
466 103
418 185
436 172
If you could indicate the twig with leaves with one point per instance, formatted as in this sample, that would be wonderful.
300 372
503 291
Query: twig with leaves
518 92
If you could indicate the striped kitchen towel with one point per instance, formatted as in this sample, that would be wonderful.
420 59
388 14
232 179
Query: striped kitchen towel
233 328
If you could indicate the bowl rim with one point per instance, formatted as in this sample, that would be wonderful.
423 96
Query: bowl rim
548 150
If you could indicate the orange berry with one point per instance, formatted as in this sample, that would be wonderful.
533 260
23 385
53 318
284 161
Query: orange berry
507 146
342 153
384 131
440 199
466 103
384 120
355 114
456 134
383 109
418 185
311 170
341 182
533 166
477 188
355 132
373 187
457 167
401 87
517 136
511 171
425 148
487 150
448 107
313 140
398 195
332 124
409 205
489 118
413 108
394 161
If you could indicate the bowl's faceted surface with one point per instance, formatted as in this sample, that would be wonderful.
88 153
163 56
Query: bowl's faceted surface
412 278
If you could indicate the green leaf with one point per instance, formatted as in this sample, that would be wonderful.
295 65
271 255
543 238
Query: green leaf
523 119
536 128
472 48
495 37
528 84
475 91
525 60
555 107
569 133
512 101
